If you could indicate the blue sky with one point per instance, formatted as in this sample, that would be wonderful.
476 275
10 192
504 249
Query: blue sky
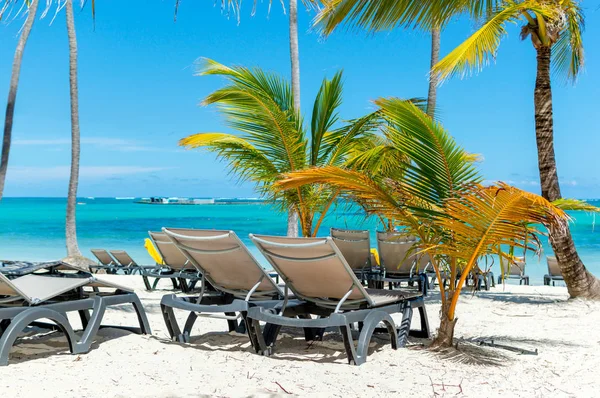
138 96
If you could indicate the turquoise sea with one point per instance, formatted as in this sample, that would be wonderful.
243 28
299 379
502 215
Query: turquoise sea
33 228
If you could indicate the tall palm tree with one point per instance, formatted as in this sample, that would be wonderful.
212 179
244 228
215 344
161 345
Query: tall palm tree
380 15
438 198
274 139
14 84
555 29
71 230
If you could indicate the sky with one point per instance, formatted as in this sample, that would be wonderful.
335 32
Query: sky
139 96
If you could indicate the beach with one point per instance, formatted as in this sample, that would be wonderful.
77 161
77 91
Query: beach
216 363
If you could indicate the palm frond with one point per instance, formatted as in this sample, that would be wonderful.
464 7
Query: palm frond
438 167
575 205
568 50
378 15
324 114
260 105
477 51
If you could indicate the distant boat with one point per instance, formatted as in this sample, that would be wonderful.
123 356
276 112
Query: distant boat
174 201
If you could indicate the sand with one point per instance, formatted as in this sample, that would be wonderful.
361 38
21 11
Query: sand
216 363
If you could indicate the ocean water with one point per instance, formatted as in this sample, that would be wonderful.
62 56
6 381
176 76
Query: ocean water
33 228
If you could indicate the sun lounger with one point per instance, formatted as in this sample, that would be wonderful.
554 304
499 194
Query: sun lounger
355 246
400 261
105 262
176 267
516 271
554 273
48 291
315 270
228 266
124 259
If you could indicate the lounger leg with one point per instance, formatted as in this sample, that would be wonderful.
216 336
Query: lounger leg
141 315
147 283
404 329
349 344
92 327
4 325
370 324
424 332
171 323
84 315
257 337
23 319
233 324
312 334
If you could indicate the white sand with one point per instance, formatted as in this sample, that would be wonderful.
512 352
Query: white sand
217 363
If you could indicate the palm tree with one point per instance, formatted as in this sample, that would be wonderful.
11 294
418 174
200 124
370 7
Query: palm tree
438 198
380 15
555 30
71 231
14 84
274 139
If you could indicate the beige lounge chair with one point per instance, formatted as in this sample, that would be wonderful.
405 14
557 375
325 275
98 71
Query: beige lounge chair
515 271
226 265
554 273
400 262
177 267
47 292
105 262
355 246
124 259
315 270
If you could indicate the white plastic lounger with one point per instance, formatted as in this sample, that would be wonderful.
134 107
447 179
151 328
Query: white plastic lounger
316 272
50 294
225 264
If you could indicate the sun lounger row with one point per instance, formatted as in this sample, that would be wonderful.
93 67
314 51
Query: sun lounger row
320 290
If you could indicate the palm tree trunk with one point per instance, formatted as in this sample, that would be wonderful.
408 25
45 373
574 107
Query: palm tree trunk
71 232
12 92
579 281
445 334
292 222
433 78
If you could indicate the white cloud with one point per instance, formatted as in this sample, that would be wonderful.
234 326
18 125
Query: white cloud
23 173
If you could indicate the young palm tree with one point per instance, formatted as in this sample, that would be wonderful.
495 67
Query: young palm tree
438 198
14 84
71 231
554 28
274 139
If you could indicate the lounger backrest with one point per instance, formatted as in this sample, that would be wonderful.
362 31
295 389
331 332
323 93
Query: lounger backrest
224 261
103 257
518 268
123 257
36 289
313 268
171 255
394 249
355 246
553 267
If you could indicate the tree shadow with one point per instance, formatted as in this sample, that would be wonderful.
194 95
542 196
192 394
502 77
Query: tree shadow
521 298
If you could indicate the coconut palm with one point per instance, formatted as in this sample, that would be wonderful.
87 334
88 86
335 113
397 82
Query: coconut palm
379 15
438 197
274 140
14 84
555 29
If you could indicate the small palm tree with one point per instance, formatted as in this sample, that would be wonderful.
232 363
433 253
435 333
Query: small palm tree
274 139
437 196
555 29
14 84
